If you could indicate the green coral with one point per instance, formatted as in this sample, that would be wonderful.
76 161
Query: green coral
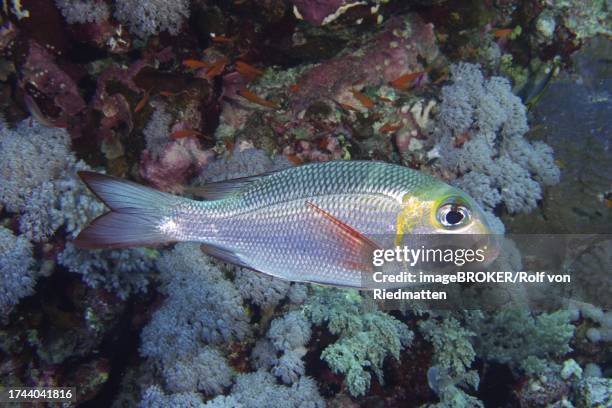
520 339
453 356
365 337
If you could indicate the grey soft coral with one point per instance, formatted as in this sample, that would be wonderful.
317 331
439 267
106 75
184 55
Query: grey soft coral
17 273
150 17
496 164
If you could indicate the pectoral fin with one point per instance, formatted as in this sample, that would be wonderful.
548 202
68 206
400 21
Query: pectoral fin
354 249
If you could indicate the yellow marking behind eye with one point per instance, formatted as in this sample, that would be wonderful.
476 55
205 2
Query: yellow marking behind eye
412 212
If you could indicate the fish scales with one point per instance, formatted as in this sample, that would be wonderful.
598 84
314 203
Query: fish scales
314 223
271 225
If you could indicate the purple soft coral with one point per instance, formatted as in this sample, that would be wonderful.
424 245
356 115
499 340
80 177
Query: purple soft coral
397 50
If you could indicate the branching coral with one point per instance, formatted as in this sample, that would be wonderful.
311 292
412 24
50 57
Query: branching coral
366 337
32 155
157 131
287 336
202 307
122 272
62 202
245 160
480 131
267 291
167 163
258 389
17 273
154 397
453 356
39 181
207 371
153 16
83 11
263 290
515 337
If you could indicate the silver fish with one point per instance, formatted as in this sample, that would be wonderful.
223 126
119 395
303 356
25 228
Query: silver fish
313 223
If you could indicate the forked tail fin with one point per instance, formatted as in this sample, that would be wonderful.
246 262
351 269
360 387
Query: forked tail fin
135 217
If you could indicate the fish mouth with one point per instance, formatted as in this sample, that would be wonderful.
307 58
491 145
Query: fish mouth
490 244
487 241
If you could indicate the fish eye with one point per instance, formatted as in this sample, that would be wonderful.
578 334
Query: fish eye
453 215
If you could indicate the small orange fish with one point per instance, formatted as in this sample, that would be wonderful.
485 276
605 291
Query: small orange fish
363 99
168 93
390 127
295 88
251 97
195 64
405 80
229 145
385 99
502 32
220 39
294 158
248 70
348 107
141 104
217 68
179 134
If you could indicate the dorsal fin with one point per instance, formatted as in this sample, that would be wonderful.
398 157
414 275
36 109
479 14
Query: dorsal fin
222 189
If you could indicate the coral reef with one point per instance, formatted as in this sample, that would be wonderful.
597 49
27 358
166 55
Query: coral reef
152 17
154 397
119 271
393 52
480 131
453 356
584 18
288 335
17 270
83 11
576 104
202 307
207 371
491 97
259 389
544 337
595 392
168 163
365 337
33 154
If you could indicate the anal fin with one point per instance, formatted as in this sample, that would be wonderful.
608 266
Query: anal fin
224 255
